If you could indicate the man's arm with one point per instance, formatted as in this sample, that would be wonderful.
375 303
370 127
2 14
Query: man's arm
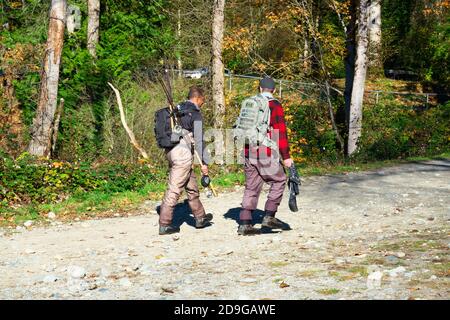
278 122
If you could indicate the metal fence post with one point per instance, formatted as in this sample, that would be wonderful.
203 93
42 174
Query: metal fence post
280 88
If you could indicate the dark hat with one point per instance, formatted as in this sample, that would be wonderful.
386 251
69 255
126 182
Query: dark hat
267 83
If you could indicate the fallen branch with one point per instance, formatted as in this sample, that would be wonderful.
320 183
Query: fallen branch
333 122
124 123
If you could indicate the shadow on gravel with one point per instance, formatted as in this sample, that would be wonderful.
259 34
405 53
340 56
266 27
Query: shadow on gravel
441 165
181 214
445 163
258 216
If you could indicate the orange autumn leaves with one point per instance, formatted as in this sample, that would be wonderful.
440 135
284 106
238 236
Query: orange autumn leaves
296 141
434 7
240 40
277 38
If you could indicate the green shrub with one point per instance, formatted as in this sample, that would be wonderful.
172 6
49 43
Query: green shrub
397 131
30 180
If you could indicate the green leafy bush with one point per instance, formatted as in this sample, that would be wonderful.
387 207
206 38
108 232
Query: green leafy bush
397 131
30 180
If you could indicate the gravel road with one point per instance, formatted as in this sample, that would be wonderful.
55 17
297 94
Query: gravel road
382 234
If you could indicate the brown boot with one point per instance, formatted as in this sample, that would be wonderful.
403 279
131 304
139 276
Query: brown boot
272 223
204 221
163 230
248 230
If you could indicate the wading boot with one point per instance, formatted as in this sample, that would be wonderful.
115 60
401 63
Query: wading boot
203 221
272 223
163 230
248 230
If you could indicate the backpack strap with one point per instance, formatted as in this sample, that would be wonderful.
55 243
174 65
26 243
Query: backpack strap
181 114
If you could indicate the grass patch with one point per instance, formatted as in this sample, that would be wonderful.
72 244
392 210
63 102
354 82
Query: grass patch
277 264
328 292
349 273
412 245
104 204
277 280
383 261
307 273
360 270
440 269
340 276
86 205
100 204
229 180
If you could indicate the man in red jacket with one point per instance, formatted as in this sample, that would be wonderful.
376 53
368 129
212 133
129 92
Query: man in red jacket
262 165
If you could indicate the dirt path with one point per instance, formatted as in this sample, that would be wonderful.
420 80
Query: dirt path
392 223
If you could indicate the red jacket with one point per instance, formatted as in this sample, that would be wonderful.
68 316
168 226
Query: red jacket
277 124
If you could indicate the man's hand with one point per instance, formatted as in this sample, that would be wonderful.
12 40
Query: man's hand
204 170
288 162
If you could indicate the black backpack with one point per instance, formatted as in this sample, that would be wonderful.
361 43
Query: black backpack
166 136
163 129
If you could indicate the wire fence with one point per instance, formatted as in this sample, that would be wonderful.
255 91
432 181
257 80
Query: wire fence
394 123
289 85
375 96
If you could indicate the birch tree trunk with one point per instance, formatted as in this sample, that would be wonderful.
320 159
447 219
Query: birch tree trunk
45 113
179 61
375 54
359 79
93 26
217 63
306 55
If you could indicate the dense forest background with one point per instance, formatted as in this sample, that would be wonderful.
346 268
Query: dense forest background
304 41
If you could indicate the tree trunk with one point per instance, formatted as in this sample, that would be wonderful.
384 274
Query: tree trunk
93 26
11 118
54 139
179 61
375 48
217 63
359 80
306 57
343 114
45 113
